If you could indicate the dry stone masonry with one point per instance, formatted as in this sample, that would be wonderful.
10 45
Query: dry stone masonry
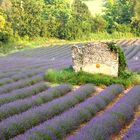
95 58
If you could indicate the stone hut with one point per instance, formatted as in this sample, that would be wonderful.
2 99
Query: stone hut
95 58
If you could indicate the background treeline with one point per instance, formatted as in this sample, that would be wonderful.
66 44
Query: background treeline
65 19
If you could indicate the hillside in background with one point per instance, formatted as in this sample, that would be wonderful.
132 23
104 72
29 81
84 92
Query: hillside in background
95 6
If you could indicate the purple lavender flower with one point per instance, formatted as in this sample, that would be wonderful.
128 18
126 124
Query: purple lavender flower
59 126
23 93
36 100
133 133
111 120
21 83
17 124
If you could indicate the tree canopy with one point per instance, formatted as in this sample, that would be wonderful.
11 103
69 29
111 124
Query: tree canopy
66 19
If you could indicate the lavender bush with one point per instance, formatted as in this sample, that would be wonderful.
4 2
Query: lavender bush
134 131
7 75
112 120
18 76
22 105
59 126
26 74
133 53
17 124
5 81
23 93
21 83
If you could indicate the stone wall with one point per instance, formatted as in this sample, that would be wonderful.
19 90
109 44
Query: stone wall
95 58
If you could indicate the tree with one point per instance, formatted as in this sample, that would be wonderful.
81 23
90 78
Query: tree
118 12
6 31
58 14
137 8
26 17
2 22
81 22
99 24
135 24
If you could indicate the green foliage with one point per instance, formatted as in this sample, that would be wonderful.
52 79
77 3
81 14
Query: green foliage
99 24
65 19
118 12
126 74
55 77
81 20
136 4
2 22
57 14
26 17
135 26
122 59
4 37
69 76
6 31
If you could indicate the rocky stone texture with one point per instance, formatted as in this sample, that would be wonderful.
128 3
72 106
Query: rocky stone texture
95 58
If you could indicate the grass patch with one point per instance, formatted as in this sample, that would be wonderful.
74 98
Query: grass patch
127 79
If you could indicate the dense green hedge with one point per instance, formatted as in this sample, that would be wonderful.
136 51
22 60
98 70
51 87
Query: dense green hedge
122 59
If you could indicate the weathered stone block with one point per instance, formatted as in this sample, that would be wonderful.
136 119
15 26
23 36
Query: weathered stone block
95 58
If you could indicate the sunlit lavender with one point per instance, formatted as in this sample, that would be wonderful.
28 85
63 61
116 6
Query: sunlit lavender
72 118
17 124
112 120
133 132
19 106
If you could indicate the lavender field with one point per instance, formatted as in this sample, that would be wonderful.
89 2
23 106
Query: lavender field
132 52
33 109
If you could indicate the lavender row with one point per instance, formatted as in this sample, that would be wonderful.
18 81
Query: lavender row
23 93
134 131
5 81
112 120
48 62
135 68
24 75
12 72
21 83
6 75
25 65
16 71
17 77
129 50
17 124
19 106
45 52
17 65
133 53
59 126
